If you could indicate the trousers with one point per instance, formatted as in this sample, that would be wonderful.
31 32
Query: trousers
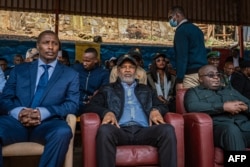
54 134
160 136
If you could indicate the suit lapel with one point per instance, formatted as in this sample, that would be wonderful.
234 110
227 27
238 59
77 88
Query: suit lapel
33 67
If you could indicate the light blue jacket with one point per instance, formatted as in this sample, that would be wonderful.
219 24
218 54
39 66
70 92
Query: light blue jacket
2 80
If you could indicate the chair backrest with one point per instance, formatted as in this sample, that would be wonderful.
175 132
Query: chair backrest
180 101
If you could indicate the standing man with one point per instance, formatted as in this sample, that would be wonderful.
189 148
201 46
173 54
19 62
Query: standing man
131 114
92 76
35 101
189 49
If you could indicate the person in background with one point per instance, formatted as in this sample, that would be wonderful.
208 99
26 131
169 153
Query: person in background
213 58
109 64
5 68
131 114
35 101
2 80
228 70
63 57
240 79
171 70
189 47
112 62
32 54
18 59
235 58
141 74
161 81
228 109
92 76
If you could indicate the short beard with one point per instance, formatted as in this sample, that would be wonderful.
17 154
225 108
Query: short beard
128 80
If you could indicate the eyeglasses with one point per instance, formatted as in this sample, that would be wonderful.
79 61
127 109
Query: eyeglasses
212 75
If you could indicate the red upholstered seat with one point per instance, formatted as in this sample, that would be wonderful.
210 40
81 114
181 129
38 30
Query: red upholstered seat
199 145
129 155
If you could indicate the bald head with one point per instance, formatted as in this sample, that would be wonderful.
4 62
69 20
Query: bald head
209 77
204 69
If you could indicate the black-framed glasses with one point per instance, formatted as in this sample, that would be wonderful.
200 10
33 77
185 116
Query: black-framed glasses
212 75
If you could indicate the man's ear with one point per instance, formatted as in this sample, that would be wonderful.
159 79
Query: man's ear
97 61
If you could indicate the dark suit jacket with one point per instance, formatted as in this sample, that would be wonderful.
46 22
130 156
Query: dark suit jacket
61 96
241 83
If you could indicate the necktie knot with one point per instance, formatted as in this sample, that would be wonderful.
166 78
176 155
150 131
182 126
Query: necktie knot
45 67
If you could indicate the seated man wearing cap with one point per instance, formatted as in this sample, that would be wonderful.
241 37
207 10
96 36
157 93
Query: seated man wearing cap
240 79
228 109
127 119
140 73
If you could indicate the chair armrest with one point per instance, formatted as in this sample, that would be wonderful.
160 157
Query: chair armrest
199 145
179 98
71 120
90 123
177 121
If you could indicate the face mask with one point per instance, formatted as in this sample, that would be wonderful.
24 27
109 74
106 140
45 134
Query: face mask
172 22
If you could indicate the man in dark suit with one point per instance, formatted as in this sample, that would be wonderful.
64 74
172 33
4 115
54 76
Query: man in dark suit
235 58
32 111
226 106
240 79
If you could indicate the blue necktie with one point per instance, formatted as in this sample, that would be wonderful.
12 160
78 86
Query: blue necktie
41 86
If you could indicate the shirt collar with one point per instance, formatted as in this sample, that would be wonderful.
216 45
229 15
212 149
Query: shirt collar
183 21
124 84
52 64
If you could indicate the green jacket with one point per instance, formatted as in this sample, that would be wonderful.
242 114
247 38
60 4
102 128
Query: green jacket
200 99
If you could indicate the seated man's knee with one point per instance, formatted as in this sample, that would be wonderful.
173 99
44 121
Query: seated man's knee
63 131
167 130
231 131
105 130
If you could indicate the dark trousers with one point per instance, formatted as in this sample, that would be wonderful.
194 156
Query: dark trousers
229 136
160 136
55 134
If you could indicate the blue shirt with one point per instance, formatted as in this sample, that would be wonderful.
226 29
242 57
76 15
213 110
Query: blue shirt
133 113
43 111
2 80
